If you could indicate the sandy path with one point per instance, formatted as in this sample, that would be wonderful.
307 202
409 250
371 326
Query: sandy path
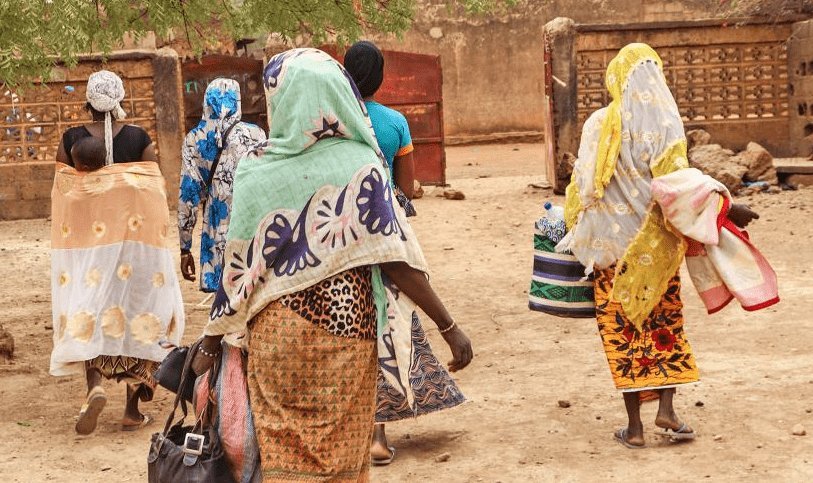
757 369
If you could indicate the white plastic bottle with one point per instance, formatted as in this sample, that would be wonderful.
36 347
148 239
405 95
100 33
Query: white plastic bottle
552 225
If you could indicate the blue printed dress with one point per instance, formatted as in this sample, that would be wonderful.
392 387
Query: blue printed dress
221 115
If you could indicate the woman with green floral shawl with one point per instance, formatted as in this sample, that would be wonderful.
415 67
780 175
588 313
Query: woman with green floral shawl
322 270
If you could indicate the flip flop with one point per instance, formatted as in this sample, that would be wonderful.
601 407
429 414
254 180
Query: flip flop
385 461
621 437
90 411
680 434
145 421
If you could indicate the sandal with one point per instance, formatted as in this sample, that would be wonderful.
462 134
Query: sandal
90 411
385 461
621 437
683 433
146 419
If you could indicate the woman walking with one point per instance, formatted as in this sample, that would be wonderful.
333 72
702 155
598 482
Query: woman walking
116 300
634 209
210 155
365 63
435 390
303 269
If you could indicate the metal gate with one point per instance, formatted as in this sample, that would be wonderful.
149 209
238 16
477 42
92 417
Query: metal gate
413 85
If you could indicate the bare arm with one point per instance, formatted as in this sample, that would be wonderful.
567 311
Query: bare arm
415 286
62 155
149 153
405 174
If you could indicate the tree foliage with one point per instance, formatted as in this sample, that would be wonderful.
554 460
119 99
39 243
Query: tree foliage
35 34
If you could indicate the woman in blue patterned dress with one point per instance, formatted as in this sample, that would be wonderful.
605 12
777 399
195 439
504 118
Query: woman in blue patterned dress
220 136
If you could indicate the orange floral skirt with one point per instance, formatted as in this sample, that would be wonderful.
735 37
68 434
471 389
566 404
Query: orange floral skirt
658 356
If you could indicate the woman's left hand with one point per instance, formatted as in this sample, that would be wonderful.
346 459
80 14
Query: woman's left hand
460 345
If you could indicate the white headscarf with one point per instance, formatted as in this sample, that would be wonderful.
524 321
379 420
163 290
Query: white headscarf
105 91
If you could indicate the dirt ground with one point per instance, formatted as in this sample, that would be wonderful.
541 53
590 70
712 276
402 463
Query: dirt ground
756 369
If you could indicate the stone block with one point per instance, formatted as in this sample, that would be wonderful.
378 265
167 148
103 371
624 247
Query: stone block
717 162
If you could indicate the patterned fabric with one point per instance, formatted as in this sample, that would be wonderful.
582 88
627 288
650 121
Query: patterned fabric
312 397
432 385
656 356
342 305
221 112
557 287
114 288
127 369
722 261
609 206
331 208
235 422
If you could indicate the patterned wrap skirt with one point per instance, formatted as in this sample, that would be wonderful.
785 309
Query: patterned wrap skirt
432 385
312 377
131 370
656 357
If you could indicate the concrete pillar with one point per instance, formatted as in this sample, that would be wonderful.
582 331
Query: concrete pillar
560 34
800 89
169 118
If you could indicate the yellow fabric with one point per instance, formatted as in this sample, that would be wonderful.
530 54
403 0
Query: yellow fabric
655 253
618 73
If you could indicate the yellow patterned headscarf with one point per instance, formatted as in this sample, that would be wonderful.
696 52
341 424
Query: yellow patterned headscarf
618 73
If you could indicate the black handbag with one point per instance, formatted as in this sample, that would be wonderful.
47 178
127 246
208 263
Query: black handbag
169 372
190 454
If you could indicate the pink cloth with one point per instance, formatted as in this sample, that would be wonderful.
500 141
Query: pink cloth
235 424
723 263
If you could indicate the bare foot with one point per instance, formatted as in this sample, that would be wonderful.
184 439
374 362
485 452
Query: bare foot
381 453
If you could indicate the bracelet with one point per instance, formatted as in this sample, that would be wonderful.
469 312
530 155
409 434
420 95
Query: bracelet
447 329
208 354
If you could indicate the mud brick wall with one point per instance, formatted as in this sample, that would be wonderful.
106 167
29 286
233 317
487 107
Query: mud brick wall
33 120
800 62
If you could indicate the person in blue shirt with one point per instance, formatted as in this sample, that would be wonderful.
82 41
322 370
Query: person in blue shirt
365 64
433 387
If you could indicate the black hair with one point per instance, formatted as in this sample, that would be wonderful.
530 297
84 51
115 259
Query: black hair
89 153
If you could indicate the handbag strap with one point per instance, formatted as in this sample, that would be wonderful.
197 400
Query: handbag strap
187 366
225 143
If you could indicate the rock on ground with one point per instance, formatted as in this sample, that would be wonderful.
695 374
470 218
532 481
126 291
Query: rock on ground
451 194
717 162
417 192
799 430
697 137
759 163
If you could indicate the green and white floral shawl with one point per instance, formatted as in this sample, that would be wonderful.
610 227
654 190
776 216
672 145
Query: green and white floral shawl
314 201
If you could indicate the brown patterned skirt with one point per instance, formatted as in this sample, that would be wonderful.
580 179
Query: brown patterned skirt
313 391
131 370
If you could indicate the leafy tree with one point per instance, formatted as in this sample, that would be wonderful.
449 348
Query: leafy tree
36 34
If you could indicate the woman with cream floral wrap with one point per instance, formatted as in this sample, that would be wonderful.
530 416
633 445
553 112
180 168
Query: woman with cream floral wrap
116 299
634 211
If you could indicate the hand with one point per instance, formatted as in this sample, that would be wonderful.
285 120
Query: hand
741 215
460 345
201 363
188 266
